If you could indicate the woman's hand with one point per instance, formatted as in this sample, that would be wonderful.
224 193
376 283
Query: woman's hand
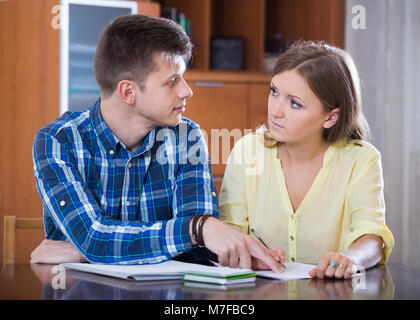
334 265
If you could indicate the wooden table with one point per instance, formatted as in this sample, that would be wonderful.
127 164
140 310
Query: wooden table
47 282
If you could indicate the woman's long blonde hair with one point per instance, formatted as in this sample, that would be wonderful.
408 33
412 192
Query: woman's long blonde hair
332 75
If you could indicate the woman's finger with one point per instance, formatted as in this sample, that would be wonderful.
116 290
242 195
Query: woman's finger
342 266
323 265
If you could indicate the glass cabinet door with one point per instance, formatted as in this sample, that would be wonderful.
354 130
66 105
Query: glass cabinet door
83 24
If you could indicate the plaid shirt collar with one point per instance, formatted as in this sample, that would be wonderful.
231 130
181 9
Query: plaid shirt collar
110 142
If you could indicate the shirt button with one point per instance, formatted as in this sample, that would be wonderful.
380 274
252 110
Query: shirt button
213 194
129 165
127 203
111 152
292 259
62 203
292 238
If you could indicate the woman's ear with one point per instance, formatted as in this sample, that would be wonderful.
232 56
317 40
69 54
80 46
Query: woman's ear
332 118
127 91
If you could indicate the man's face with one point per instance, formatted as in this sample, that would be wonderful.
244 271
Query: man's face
163 97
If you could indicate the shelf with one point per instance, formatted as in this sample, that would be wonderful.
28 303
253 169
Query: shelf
253 21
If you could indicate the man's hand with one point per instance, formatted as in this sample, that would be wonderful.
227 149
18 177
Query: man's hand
56 252
236 249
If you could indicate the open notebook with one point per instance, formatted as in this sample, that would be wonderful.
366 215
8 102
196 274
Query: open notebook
166 270
191 272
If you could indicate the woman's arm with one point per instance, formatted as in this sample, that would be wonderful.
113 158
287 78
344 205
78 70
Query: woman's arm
364 253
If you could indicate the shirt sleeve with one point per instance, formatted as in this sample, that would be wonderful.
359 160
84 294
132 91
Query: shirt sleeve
78 215
366 204
194 191
232 199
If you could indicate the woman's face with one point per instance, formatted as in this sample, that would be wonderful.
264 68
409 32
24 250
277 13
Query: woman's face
295 114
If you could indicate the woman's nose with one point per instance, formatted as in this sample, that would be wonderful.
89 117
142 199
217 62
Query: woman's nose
278 109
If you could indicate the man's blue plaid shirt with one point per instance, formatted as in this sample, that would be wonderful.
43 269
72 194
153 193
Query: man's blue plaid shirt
115 206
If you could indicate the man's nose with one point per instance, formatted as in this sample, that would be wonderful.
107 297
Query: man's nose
185 91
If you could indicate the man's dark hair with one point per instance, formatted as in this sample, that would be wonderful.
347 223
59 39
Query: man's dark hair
128 45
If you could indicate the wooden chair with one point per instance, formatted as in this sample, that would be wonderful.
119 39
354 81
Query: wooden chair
11 223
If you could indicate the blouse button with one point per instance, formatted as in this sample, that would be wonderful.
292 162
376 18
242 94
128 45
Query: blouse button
292 259
292 238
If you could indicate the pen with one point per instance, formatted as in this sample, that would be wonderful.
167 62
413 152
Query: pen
265 245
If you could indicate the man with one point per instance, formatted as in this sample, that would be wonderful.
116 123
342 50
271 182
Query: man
120 182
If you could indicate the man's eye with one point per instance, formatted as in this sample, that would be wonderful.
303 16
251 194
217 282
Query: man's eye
173 81
273 91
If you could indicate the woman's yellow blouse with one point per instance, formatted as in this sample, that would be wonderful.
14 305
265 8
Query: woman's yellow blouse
344 202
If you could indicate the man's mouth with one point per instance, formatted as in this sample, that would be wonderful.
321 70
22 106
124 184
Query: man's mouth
180 109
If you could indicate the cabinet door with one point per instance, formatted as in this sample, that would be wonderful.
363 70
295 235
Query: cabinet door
258 101
221 110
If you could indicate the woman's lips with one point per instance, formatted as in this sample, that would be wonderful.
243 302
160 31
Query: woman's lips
276 125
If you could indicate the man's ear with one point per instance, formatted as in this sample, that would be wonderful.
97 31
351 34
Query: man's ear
332 118
127 91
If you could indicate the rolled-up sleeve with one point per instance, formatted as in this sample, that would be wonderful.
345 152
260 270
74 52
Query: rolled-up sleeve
365 200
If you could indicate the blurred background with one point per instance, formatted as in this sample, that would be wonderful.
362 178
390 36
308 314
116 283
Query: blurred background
46 54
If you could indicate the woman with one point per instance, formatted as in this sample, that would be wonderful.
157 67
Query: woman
310 182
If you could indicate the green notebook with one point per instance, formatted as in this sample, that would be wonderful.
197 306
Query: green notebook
221 275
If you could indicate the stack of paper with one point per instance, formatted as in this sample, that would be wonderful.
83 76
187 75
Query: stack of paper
220 275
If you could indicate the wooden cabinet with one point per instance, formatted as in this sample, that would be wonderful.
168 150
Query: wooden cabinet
253 20
221 109
258 99
226 110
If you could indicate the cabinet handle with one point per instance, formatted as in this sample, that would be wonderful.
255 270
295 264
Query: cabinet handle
211 84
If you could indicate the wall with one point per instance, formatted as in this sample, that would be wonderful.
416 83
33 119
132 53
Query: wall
386 53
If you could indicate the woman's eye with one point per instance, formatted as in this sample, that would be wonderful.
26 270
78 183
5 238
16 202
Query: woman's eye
295 105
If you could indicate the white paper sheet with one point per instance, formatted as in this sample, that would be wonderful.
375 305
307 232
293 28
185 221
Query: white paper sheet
293 271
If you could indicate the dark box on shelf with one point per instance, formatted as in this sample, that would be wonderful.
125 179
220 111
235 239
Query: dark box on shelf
226 53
